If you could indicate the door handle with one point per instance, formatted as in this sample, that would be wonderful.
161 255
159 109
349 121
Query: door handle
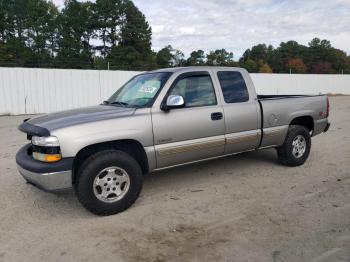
216 116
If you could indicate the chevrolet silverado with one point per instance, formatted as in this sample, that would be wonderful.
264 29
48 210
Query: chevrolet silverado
162 119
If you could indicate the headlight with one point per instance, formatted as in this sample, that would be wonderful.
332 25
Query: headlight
45 141
46 149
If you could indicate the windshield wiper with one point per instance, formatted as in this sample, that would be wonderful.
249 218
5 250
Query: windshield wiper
123 104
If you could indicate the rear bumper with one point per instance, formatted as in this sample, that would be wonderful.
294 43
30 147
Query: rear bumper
46 176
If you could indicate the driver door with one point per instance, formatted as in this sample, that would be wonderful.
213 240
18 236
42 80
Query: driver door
195 131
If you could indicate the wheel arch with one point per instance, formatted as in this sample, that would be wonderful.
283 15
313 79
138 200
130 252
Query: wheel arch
306 121
130 146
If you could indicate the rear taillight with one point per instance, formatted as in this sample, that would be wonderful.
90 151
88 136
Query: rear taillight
327 113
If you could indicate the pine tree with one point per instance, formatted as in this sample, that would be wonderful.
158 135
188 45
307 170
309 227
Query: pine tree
108 18
165 57
134 48
75 29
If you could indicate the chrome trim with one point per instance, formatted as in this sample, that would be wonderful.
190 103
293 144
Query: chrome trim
241 138
175 101
266 147
274 131
48 181
187 148
274 136
202 160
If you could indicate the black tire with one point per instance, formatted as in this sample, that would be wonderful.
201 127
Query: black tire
92 166
285 152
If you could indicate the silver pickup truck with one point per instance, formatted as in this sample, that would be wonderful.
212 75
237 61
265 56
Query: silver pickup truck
163 119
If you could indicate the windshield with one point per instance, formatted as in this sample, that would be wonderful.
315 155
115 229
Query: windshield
140 91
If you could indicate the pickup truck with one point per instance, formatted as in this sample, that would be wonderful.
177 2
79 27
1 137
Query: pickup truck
162 119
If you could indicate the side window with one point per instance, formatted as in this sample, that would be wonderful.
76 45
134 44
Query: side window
196 90
233 87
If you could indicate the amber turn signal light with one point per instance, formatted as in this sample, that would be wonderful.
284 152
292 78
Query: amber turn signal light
47 157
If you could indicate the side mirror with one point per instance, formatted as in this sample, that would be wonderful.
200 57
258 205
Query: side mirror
173 101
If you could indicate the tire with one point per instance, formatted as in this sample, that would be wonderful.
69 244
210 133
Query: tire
91 185
290 154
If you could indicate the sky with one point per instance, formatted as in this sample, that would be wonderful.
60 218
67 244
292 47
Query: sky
237 25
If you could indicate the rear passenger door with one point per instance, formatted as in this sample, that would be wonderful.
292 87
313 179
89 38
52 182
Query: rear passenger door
194 132
241 112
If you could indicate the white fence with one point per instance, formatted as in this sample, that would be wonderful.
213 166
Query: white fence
301 84
33 91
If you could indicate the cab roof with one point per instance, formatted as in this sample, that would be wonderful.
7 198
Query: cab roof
196 68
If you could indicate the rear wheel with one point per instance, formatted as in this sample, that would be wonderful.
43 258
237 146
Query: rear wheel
296 147
109 182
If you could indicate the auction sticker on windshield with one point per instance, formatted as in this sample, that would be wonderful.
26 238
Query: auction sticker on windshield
147 89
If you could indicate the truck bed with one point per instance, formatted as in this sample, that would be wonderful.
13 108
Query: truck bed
265 97
277 112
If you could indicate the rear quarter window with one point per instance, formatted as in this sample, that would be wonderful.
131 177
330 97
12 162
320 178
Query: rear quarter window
233 87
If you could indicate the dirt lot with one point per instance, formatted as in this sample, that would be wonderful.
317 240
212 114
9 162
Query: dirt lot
240 208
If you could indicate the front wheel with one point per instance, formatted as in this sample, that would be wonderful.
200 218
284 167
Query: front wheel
109 182
296 147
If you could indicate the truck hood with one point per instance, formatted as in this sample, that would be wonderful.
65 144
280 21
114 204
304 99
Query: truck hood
80 116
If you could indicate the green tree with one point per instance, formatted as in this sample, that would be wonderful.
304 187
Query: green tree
258 52
178 58
125 58
347 66
196 58
220 57
170 57
108 15
340 61
325 58
26 31
34 33
251 66
42 30
3 20
135 41
165 57
285 52
75 30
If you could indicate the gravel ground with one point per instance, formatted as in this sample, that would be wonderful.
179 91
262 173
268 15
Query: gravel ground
241 208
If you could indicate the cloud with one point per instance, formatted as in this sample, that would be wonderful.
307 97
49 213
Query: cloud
238 24
59 3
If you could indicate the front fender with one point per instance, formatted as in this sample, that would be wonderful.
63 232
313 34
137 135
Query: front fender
137 127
